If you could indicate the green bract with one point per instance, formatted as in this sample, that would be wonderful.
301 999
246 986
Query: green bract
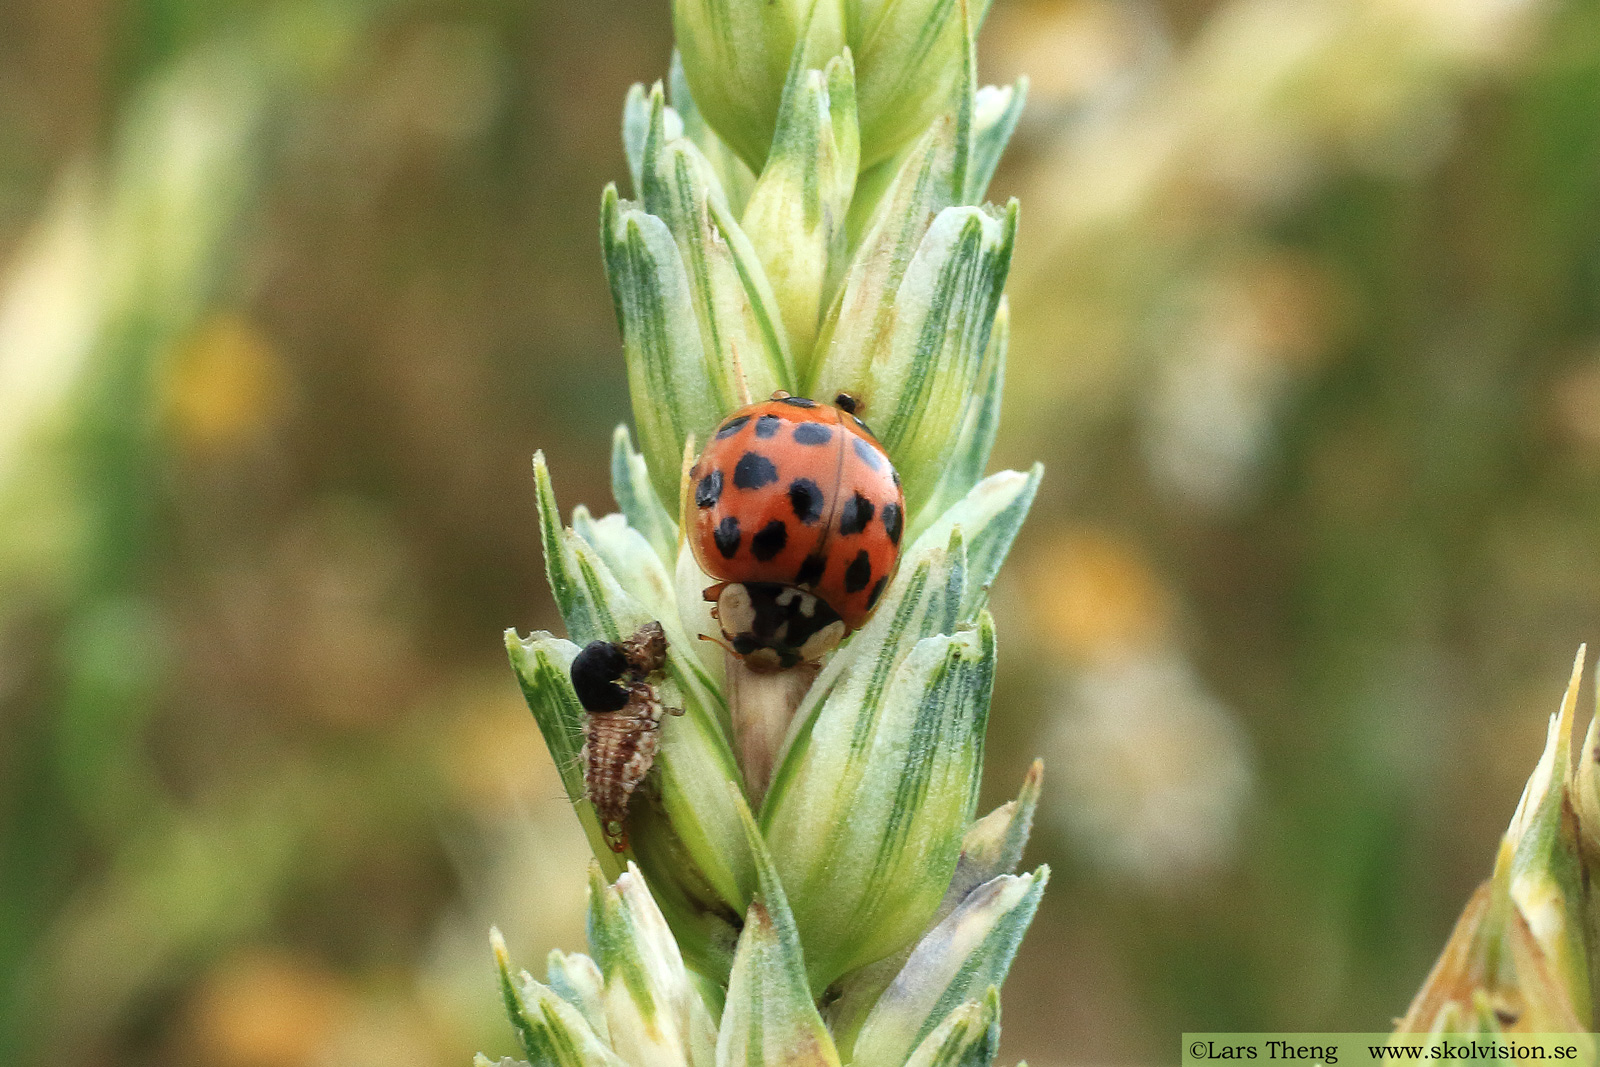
1520 957
908 54
798 210
804 880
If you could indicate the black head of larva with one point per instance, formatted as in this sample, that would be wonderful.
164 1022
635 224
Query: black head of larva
597 677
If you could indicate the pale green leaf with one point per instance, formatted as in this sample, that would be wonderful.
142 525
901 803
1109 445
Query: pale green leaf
918 380
552 1032
653 1011
1547 881
967 953
866 829
990 516
928 180
915 56
632 561
872 185
735 175
576 979
992 846
796 216
747 351
736 56
636 127
941 583
979 424
770 1019
676 391
630 486
695 611
969 1036
994 119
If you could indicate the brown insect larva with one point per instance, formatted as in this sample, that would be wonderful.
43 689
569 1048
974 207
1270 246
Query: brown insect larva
622 729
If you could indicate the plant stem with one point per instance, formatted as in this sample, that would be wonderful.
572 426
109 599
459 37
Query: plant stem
762 706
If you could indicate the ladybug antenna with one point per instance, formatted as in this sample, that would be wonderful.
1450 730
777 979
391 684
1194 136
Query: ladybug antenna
847 403
719 642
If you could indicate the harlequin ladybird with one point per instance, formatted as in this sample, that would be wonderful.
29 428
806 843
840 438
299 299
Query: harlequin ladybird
798 512
622 728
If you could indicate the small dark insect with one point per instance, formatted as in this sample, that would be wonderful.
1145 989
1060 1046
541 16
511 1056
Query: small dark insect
622 728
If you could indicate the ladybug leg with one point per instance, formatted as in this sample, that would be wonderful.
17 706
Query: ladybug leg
712 592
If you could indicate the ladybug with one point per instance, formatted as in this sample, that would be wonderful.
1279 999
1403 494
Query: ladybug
622 729
797 511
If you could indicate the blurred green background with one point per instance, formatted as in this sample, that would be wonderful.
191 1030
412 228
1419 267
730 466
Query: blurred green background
1306 329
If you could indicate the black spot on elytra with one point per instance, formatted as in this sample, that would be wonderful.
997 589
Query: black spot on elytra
767 425
797 401
731 427
855 515
877 591
893 522
769 540
869 455
709 489
754 471
810 572
727 537
805 497
813 433
859 573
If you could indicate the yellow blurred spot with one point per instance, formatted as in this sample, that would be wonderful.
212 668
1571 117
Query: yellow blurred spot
269 1009
227 385
1095 596
1575 403
1279 307
1069 51
496 760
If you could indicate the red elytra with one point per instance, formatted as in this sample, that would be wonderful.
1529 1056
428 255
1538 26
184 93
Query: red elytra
797 510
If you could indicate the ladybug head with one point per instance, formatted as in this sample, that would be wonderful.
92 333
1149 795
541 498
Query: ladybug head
773 627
